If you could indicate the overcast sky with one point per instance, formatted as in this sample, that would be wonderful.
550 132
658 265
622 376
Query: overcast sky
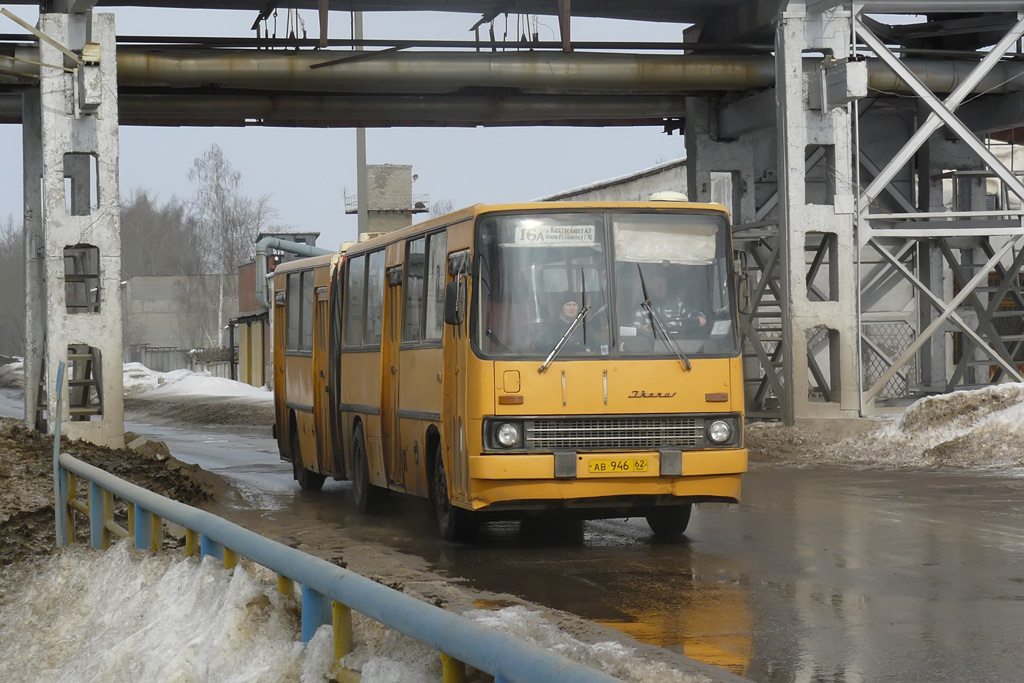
306 171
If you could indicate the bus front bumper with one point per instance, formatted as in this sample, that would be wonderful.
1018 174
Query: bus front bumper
703 476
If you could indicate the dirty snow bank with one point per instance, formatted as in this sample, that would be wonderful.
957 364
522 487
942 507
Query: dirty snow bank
124 615
127 615
982 428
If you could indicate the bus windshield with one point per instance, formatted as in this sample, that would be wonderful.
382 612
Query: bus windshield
649 283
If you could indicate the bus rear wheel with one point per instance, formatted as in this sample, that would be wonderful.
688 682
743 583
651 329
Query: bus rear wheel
670 520
455 524
308 481
366 494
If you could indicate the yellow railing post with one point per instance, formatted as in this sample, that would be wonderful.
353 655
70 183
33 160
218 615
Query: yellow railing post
230 558
285 586
341 620
191 542
157 528
108 517
131 520
452 670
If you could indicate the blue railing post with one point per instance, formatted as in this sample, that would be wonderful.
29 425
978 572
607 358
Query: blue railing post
208 546
149 530
316 611
60 510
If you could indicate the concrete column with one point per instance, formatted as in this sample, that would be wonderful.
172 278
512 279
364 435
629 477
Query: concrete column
78 117
35 278
708 155
827 209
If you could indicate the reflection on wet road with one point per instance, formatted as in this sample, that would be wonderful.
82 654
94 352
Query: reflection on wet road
835 575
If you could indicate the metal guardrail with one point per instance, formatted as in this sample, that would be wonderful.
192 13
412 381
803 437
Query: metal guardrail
329 593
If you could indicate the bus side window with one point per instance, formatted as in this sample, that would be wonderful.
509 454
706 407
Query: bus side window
437 264
306 338
355 292
412 317
374 299
293 312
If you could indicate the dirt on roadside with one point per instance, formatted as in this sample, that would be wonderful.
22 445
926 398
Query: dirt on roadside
26 482
209 411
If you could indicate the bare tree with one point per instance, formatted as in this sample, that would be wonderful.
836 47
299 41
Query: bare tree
226 220
441 207
12 288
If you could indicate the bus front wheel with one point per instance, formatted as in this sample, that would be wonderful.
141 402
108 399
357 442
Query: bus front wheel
455 524
670 520
366 494
308 481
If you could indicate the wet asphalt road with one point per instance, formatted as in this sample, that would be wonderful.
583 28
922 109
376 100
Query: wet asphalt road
832 575
821 574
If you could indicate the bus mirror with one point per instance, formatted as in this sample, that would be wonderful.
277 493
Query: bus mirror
454 309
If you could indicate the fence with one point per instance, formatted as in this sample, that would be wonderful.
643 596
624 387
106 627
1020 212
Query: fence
166 359
329 593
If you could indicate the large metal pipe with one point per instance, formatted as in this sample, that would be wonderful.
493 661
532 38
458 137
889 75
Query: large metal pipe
441 72
268 243
185 108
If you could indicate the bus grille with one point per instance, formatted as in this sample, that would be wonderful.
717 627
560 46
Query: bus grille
616 433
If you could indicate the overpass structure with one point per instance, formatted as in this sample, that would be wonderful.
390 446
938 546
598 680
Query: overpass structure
864 150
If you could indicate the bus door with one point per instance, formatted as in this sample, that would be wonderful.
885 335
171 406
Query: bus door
393 467
456 348
321 320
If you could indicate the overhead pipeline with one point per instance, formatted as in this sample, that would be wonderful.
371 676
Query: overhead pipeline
444 72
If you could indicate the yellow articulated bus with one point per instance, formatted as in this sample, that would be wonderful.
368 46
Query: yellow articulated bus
574 359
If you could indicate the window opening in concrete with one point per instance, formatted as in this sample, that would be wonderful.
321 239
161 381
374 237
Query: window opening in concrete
85 385
82 278
823 364
821 249
820 181
81 183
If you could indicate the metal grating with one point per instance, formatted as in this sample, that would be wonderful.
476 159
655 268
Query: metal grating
615 433
890 339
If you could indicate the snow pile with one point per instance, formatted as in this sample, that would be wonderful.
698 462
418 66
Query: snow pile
140 380
127 615
13 375
982 428
123 615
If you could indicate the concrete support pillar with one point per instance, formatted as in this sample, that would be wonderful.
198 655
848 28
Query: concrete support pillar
816 213
35 280
73 246
712 159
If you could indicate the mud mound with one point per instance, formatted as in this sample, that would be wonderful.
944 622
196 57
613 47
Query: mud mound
205 410
26 482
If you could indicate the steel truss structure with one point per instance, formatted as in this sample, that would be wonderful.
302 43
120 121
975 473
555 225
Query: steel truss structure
882 238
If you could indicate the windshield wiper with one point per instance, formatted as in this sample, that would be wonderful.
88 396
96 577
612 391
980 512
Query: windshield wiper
565 338
658 325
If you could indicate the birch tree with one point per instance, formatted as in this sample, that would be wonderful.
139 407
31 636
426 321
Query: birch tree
226 220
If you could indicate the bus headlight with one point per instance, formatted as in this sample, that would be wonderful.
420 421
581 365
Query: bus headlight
507 434
719 431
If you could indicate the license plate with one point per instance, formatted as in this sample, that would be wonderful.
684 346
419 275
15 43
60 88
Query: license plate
617 465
